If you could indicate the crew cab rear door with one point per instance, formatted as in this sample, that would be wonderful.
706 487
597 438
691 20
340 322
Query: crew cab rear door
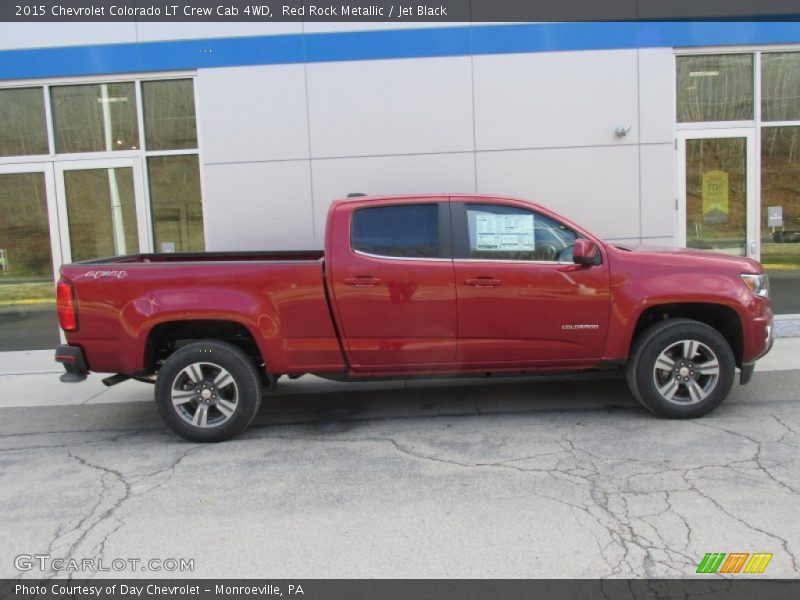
391 273
521 299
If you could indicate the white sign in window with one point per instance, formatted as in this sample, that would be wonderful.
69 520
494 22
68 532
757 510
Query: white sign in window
503 232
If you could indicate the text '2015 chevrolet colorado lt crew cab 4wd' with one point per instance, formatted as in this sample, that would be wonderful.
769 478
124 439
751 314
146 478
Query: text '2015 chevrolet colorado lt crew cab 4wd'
409 287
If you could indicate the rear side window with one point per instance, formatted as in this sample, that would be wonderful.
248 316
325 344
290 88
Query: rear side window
410 231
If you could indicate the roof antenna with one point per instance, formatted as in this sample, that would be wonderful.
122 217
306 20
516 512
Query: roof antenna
355 194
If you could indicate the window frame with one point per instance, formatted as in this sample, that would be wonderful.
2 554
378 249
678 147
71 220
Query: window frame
461 249
51 122
759 58
444 231
755 82
140 83
52 158
756 125
756 122
16 158
136 79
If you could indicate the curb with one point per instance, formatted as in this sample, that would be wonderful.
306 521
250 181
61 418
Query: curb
787 326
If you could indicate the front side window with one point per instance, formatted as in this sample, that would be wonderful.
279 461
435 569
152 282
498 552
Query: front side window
511 233
409 231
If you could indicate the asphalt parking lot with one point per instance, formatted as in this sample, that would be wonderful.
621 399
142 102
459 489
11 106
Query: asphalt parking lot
554 478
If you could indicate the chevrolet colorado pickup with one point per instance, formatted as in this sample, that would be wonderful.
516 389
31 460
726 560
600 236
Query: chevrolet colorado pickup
410 287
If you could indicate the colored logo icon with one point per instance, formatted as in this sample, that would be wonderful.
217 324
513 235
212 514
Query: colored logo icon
735 562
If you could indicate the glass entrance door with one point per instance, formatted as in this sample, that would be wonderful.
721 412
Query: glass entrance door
102 208
718 206
28 259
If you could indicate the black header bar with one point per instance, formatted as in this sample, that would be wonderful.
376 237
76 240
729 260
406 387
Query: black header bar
395 10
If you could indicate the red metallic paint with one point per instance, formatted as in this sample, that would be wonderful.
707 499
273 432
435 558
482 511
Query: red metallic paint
518 322
413 316
406 319
644 277
282 303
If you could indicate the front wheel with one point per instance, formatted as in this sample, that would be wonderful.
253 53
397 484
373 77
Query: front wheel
681 368
208 391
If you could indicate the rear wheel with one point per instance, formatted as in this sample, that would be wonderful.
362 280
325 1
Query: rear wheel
681 368
208 391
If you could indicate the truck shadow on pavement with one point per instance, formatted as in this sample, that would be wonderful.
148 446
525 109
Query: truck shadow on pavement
334 411
327 409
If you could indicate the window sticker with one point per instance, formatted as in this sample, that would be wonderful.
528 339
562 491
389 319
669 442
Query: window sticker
507 233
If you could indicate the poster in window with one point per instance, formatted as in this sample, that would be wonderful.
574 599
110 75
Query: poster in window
715 196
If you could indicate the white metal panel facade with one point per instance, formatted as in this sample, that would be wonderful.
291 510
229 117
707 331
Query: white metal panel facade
538 125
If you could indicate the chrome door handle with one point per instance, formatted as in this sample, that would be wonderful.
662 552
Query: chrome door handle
482 282
362 281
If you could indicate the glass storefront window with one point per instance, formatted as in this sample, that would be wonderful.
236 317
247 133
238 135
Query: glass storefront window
716 194
103 196
715 87
95 118
169 114
780 197
27 290
101 209
780 86
23 130
780 215
176 203
24 229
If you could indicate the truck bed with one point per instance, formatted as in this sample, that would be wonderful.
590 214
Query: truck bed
278 297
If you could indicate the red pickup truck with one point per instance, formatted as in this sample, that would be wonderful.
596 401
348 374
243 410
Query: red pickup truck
410 287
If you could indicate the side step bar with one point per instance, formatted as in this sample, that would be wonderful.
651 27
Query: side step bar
115 379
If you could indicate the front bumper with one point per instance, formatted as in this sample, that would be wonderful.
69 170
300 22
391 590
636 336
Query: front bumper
748 367
74 363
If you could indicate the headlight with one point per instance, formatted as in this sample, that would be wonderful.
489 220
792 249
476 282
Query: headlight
758 284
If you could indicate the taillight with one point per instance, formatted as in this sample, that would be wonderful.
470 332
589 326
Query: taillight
67 306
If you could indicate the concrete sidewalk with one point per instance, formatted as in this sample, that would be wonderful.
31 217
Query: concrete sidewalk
31 379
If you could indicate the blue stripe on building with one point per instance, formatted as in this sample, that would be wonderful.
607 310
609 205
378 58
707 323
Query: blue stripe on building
386 44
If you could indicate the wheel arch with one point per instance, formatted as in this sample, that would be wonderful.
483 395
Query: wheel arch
722 318
166 337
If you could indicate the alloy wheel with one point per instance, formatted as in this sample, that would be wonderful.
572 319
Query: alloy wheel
204 394
686 372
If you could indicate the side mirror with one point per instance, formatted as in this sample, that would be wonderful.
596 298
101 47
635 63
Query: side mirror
584 252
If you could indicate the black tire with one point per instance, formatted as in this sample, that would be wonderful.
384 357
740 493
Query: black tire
195 398
670 383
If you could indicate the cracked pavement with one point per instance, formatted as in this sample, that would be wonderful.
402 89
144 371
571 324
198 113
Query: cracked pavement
553 478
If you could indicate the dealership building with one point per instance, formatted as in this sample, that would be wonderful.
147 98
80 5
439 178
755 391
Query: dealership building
125 137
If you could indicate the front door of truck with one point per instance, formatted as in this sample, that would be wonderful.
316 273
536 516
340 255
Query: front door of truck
521 299
393 287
